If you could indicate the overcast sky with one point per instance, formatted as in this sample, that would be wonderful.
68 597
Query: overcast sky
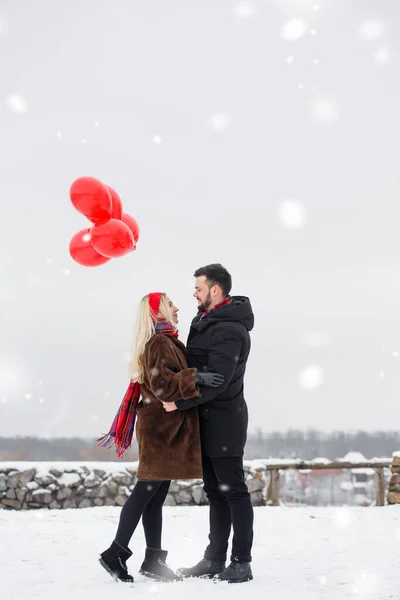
263 135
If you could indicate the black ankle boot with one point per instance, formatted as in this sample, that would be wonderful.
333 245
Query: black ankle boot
154 566
113 560
237 572
205 569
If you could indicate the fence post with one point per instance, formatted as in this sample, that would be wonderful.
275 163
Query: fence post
380 486
273 490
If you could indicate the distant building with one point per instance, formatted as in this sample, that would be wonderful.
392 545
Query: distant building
330 486
361 482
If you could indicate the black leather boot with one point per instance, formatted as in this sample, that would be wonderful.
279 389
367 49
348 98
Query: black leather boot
113 560
205 568
237 572
154 566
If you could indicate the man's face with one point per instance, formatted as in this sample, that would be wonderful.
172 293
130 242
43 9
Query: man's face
202 294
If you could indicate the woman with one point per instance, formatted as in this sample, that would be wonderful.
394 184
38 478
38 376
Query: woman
169 443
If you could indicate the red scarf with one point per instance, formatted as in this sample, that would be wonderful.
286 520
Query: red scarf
121 430
228 300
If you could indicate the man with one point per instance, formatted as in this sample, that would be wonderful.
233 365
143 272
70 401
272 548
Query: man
219 342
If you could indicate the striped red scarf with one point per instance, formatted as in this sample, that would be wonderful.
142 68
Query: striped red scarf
162 326
228 300
121 430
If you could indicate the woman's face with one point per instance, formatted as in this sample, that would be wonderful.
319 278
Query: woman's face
174 310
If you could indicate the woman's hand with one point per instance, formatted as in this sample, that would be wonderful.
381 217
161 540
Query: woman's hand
169 406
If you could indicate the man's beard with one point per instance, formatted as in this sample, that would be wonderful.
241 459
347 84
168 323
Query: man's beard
205 306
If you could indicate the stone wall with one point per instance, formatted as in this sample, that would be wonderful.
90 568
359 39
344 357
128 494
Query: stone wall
82 485
393 496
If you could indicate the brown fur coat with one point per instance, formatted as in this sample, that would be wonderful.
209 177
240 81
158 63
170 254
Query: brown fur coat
169 443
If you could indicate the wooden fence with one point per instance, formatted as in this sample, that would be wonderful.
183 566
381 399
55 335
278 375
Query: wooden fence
273 489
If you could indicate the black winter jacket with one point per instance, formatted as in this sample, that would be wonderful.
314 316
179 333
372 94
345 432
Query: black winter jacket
220 343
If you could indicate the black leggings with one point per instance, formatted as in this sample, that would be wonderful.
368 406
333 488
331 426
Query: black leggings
146 501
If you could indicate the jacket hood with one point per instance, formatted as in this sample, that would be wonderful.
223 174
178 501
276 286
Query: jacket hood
239 310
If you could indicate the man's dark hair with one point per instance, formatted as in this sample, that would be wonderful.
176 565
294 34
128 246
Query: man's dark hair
216 274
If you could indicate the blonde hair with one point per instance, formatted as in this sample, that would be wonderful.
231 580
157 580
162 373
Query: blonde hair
144 331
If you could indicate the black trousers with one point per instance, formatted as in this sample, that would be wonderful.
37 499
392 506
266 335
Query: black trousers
146 501
230 506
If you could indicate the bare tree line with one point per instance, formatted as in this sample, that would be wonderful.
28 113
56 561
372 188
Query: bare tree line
293 443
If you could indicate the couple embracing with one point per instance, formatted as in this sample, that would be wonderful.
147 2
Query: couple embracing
191 423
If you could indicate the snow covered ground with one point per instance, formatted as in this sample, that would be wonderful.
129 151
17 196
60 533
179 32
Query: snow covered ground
299 553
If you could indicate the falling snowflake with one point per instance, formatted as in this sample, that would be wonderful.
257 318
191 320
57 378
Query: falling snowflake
300 86
96 124
41 400
149 488
245 10
83 140
59 134
316 61
313 32
157 139
311 377
224 487
316 7
325 110
323 580
66 272
382 56
221 121
290 60
293 30
371 30
17 104
28 396
292 214
154 372
381 374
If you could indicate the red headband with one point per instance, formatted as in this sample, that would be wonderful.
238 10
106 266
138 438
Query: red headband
154 302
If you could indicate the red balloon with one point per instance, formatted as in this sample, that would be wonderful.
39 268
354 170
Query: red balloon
117 208
112 239
82 251
91 198
132 224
